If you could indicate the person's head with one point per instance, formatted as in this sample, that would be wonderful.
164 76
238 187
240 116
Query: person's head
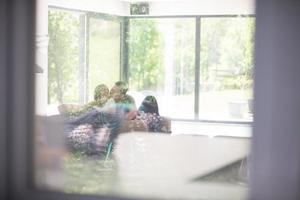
128 107
118 91
149 105
101 92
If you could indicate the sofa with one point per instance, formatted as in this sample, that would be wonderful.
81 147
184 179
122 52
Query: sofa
134 125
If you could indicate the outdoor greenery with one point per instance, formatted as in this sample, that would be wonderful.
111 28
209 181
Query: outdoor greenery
153 43
145 60
227 53
184 57
64 52
63 57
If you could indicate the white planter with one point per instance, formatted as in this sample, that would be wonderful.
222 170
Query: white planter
237 109
250 105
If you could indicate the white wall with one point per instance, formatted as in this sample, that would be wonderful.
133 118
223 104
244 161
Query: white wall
114 7
41 79
202 7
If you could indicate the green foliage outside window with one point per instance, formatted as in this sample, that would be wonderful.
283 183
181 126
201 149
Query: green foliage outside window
63 57
227 52
184 56
104 53
145 58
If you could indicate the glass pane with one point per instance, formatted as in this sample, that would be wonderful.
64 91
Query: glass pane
162 63
226 68
63 58
104 53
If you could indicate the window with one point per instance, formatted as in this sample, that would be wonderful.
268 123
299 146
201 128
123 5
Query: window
161 60
84 51
162 63
226 68
104 53
64 57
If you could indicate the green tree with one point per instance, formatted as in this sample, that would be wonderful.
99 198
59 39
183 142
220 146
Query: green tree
238 43
227 52
145 55
63 57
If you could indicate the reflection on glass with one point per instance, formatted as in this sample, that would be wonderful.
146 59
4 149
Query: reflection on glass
226 68
162 62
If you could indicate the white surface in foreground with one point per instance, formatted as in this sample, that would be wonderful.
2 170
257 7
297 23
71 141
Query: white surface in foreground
162 166
211 129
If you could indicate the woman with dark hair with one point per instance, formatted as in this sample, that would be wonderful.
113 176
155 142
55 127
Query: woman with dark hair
149 105
148 112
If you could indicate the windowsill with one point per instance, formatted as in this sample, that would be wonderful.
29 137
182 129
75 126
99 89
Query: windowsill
211 129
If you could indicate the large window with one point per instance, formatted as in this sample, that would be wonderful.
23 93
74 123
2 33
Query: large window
199 68
226 65
104 53
162 63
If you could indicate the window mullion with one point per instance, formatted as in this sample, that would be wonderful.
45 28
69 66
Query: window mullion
82 60
87 56
197 67
124 49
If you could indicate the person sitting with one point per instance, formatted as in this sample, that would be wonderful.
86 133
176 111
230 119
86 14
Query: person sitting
119 99
92 130
149 113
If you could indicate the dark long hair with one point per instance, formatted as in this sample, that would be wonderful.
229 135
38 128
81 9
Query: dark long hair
149 105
